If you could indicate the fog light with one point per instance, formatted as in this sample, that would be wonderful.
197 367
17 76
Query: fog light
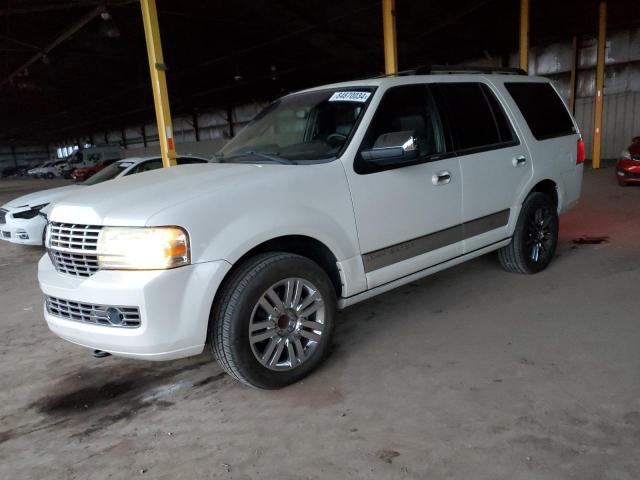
114 316
23 235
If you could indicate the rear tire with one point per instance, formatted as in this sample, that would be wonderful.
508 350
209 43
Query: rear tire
535 237
273 320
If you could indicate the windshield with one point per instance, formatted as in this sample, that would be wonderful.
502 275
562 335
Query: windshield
108 173
306 126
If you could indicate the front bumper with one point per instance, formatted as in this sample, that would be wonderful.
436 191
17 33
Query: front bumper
628 171
174 308
23 231
628 177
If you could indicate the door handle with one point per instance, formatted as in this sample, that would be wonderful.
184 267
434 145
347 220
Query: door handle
441 178
519 161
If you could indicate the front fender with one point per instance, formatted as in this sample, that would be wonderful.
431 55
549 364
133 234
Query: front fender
242 234
230 219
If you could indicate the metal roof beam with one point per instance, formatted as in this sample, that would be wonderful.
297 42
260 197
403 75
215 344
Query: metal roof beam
57 41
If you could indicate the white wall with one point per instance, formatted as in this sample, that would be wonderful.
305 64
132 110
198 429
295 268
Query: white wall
620 123
22 155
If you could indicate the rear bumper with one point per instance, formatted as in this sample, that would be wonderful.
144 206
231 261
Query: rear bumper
174 308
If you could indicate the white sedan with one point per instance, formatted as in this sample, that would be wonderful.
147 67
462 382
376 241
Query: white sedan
24 219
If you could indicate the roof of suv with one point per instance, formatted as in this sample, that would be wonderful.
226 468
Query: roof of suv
403 78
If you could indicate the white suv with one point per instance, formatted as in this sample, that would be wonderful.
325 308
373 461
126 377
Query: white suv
328 197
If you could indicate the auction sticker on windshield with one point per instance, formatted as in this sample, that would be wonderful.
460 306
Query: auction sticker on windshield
350 97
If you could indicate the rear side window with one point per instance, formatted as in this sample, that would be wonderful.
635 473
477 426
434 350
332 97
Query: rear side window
542 109
476 119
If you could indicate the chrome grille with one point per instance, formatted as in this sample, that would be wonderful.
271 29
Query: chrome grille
67 236
3 216
76 264
109 316
72 248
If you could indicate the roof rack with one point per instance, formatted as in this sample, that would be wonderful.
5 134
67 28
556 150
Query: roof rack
453 69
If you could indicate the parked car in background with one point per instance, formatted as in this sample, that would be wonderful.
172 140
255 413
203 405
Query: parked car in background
328 197
628 167
13 172
35 171
24 219
52 170
89 157
82 173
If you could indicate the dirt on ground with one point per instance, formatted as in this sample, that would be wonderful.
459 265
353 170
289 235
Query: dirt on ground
472 373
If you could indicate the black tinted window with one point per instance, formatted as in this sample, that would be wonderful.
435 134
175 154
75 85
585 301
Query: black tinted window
502 123
476 119
542 109
408 108
146 166
189 160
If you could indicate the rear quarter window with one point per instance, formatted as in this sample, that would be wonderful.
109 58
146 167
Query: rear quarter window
542 109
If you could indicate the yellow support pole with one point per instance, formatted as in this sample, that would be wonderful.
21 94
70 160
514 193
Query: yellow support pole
598 101
390 41
158 82
524 35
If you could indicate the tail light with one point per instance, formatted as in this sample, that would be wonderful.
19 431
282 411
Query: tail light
580 155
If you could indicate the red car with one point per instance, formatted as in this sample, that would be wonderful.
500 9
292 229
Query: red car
628 167
82 173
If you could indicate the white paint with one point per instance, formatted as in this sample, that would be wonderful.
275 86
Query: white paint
228 209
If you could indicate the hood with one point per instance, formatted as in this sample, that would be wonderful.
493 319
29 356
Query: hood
43 196
132 200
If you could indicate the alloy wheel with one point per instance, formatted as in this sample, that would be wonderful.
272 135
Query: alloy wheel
287 324
539 235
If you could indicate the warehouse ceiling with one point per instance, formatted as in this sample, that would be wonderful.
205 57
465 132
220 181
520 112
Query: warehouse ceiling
229 52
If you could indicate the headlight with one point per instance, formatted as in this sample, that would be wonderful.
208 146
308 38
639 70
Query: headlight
142 248
32 212
625 154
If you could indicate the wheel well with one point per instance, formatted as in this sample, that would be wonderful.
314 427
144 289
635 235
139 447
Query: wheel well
548 187
306 247
297 244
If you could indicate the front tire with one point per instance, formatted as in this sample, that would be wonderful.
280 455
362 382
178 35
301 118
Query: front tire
273 321
535 237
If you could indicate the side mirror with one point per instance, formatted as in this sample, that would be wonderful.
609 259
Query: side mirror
393 148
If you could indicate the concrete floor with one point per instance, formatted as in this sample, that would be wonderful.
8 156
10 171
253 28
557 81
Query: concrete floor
472 373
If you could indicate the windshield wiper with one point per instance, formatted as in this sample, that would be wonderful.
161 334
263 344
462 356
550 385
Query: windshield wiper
265 156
